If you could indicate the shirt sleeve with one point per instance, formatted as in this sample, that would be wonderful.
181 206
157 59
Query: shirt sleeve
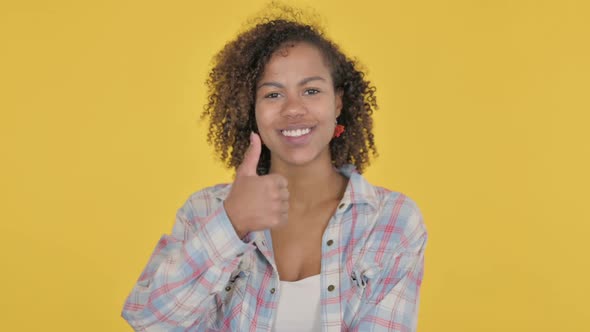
186 269
394 306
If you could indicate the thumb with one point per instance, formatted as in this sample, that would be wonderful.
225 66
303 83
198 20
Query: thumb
250 163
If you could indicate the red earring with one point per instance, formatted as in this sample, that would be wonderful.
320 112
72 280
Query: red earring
338 130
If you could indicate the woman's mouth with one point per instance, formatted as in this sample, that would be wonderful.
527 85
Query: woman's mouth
297 137
296 132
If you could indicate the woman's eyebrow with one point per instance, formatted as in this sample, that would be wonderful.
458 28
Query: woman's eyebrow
309 79
302 82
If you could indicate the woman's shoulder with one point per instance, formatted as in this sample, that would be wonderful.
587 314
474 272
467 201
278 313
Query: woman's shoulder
388 198
205 200
398 217
217 191
382 199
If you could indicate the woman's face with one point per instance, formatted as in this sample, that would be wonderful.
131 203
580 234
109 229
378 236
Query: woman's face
296 105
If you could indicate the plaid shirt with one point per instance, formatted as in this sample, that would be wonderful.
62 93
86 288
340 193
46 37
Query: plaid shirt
202 277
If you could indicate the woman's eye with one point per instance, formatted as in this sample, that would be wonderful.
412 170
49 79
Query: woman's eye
312 91
272 95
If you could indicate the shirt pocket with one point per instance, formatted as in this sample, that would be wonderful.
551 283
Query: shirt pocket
363 278
232 295
235 288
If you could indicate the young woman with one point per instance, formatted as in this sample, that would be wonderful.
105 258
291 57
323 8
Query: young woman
300 241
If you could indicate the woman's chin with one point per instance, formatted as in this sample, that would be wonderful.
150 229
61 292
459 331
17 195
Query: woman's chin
298 159
298 162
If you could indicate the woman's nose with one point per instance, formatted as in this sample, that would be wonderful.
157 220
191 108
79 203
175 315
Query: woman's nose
293 107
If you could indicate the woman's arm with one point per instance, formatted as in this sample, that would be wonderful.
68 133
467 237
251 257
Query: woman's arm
187 268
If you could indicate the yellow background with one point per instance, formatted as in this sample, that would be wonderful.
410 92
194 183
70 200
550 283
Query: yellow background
483 121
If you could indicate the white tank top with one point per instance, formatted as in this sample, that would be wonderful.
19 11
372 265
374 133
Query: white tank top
299 306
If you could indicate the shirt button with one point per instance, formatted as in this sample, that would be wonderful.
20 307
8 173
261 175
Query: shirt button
331 288
330 242
272 290
227 289
341 205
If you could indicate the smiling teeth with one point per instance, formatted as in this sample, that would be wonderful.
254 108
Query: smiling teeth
295 133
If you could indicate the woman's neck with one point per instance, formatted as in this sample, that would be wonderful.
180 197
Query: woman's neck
311 184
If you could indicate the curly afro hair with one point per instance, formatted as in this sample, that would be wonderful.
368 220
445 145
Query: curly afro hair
232 89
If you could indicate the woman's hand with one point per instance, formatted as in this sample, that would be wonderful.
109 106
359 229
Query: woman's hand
256 202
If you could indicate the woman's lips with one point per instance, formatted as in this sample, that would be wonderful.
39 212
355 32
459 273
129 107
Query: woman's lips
297 140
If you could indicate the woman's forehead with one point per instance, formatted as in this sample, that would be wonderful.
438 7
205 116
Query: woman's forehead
296 60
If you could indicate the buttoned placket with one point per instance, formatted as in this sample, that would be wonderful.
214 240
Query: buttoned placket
264 244
330 285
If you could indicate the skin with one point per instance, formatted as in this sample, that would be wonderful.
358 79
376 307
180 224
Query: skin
299 195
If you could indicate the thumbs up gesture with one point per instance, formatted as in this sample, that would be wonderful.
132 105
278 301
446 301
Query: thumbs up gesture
256 202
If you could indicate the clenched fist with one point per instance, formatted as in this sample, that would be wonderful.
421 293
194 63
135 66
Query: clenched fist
256 202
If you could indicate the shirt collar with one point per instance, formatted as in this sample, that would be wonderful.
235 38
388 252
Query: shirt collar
358 190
